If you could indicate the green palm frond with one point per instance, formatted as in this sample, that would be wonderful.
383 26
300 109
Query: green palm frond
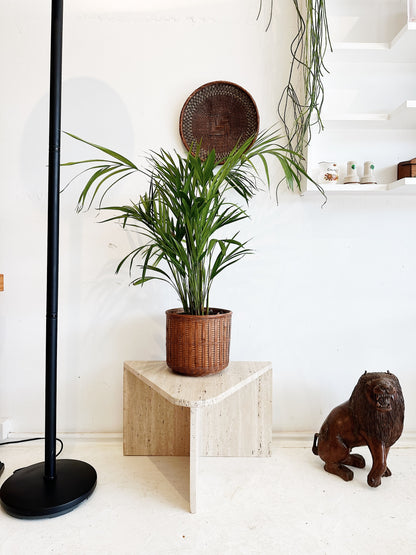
184 216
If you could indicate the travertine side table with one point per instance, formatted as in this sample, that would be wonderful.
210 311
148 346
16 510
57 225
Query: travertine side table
225 414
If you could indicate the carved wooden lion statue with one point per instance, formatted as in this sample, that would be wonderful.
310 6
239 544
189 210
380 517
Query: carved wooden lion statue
372 416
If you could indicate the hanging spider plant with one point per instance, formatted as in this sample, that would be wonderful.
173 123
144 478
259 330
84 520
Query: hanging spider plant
300 106
184 215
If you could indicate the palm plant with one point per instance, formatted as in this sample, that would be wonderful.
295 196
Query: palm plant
186 210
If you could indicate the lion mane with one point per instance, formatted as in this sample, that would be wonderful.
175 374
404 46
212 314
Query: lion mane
378 406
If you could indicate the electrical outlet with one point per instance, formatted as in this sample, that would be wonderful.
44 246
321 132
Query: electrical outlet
5 428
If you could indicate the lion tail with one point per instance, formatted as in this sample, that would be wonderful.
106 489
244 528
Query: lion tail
315 444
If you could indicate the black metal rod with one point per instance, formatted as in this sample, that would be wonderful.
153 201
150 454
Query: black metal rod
53 487
53 238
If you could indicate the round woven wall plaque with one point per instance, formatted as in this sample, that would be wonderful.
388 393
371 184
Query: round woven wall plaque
218 115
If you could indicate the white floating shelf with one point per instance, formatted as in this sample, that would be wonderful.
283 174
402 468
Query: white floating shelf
402 48
404 117
410 182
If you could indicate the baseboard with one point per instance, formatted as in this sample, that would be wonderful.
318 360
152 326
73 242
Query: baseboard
305 439
280 439
293 439
71 436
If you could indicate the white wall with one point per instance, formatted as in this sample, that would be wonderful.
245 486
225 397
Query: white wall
328 294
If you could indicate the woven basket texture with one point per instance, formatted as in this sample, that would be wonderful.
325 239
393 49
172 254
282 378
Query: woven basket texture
218 115
198 345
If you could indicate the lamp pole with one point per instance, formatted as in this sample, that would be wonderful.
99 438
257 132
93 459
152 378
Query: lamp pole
52 487
55 95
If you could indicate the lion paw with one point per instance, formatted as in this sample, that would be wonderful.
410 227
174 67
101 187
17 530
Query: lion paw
340 470
355 460
387 472
373 481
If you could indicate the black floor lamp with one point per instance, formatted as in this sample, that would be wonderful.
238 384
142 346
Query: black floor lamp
52 487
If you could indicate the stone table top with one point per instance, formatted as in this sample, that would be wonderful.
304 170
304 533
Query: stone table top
200 391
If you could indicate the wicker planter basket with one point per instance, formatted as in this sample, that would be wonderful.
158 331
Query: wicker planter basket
198 345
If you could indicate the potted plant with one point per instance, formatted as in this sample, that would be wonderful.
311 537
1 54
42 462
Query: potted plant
183 220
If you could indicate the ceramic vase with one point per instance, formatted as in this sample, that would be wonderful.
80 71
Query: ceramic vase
328 173
368 176
352 175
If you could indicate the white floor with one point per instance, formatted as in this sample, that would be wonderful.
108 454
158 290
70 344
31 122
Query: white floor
284 504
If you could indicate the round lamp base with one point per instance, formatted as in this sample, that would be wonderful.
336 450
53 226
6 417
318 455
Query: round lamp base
28 494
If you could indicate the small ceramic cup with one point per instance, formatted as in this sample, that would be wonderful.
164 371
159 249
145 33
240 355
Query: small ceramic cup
368 176
328 172
352 174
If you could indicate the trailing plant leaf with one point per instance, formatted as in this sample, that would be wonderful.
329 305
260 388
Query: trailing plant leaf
184 216
270 13
300 110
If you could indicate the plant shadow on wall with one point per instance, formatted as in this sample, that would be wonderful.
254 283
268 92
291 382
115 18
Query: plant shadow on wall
186 220
301 101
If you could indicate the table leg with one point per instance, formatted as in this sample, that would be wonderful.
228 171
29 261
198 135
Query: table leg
193 458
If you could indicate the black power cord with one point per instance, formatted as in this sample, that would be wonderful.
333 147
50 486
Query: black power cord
24 441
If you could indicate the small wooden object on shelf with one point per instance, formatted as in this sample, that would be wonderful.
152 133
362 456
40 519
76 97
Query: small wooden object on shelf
406 169
1 282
